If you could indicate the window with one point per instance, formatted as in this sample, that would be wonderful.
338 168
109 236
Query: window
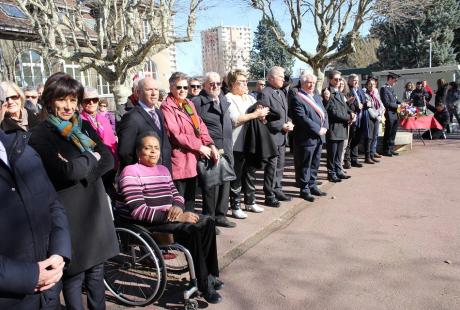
151 67
73 69
12 10
30 69
103 87
145 29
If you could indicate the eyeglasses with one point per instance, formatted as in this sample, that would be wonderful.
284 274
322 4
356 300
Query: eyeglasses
214 84
91 100
33 97
178 87
195 86
15 97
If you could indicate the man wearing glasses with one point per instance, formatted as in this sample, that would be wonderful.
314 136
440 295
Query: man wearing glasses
212 106
194 87
279 125
260 85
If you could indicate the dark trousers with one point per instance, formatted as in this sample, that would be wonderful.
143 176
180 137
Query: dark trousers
334 156
391 127
200 240
245 182
273 173
94 284
353 143
187 188
215 200
375 138
308 159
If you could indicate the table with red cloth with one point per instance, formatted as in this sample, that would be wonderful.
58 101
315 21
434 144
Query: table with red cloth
420 123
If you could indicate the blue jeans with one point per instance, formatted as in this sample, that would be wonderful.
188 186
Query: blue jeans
375 137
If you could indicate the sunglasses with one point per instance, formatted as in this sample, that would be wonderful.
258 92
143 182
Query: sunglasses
214 84
15 97
33 97
195 86
91 100
178 87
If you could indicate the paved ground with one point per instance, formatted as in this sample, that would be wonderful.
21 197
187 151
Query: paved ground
385 239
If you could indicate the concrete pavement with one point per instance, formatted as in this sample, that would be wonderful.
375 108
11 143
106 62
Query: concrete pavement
341 242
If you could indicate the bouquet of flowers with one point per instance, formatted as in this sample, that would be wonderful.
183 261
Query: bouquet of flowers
409 111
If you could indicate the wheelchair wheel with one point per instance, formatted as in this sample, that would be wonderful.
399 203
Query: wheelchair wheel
174 258
136 276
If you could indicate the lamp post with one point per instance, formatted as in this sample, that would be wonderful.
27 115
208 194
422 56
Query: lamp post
431 48
262 62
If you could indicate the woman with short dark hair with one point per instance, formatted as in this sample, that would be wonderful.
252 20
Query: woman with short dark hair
75 159
188 135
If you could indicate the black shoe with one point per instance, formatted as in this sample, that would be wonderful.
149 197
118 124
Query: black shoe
356 164
307 196
224 222
218 285
212 297
272 202
394 153
317 192
346 165
283 197
334 179
343 176
389 154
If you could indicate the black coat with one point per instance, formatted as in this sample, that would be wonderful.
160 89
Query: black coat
441 116
307 121
77 179
277 103
33 224
133 124
9 125
217 120
339 114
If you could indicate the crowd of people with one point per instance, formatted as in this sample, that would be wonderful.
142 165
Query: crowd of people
56 229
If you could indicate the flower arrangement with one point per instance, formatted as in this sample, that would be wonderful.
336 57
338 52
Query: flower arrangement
409 111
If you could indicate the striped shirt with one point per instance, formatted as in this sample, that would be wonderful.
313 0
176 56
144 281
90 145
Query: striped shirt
148 193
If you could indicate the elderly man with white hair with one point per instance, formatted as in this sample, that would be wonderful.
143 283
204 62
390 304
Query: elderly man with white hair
212 106
279 125
311 123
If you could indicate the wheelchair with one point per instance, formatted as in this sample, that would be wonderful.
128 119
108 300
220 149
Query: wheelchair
138 275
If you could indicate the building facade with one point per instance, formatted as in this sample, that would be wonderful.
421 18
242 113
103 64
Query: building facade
22 61
225 48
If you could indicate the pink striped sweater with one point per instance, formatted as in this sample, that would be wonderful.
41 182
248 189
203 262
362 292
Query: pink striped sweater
148 193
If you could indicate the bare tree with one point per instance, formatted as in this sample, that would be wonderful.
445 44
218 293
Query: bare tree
332 20
110 36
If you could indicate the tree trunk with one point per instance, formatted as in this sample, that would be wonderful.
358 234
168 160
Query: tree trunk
120 96
318 71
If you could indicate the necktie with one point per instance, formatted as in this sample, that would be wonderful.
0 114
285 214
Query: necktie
155 118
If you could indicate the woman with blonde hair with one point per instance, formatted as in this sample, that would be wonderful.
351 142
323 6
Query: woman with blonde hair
240 103
13 115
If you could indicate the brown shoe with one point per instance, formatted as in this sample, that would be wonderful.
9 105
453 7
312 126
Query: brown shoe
377 155
368 161
375 160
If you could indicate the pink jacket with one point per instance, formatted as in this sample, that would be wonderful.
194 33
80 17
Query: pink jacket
184 143
104 131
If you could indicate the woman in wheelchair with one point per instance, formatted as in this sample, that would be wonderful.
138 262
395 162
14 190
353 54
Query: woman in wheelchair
150 197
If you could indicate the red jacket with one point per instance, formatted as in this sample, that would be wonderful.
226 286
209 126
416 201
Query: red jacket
185 143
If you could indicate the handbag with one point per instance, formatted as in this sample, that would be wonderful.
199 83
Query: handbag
211 174
373 114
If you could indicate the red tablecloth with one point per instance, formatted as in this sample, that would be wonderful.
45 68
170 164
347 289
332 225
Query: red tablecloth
423 122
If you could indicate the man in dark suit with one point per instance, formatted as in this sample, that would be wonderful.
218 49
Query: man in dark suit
142 118
273 97
391 104
340 117
311 123
34 233
212 106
